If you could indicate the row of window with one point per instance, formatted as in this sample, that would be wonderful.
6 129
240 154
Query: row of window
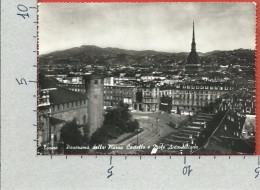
153 100
151 90
192 108
127 93
169 92
150 100
96 81
192 96
69 105
77 89
73 85
206 87
191 100
202 104
151 94
108 103
113 98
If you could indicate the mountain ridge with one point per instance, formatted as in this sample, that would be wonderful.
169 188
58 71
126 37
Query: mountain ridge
90 54
113 50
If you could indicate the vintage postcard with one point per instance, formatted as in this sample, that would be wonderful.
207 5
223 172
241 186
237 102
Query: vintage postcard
146 78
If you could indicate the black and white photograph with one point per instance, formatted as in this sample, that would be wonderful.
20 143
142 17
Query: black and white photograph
146 78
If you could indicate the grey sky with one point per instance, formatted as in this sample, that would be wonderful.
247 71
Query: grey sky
149 26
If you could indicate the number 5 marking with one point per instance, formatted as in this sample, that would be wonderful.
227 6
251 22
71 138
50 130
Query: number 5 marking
257 172
110 172
22 81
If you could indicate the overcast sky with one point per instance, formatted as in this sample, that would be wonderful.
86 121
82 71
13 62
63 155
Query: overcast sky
157 26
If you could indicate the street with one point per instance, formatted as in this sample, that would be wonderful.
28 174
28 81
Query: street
154 127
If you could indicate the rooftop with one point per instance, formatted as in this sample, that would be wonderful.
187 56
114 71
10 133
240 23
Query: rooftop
61 95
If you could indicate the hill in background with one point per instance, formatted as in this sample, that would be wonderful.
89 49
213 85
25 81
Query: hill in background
89 55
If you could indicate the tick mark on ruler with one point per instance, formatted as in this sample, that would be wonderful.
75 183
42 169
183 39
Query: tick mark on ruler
184 159
110 160
33 81
33 7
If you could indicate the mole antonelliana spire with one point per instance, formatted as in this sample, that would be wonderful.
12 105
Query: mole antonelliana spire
193 61
193 44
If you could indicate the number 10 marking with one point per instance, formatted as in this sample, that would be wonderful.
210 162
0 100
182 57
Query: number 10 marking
23 11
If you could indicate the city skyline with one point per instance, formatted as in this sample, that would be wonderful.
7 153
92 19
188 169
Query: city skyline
97 24
112 101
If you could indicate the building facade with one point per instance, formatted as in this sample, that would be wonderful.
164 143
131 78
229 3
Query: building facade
113 94
52 114
150 98
141 97
58 105
191 97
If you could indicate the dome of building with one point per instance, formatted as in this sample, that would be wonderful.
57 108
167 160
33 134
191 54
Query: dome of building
193 58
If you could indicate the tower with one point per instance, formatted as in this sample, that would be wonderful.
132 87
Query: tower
193 65
95 92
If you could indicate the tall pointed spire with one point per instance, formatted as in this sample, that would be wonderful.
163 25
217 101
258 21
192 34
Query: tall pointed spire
193 36
193 65
193 44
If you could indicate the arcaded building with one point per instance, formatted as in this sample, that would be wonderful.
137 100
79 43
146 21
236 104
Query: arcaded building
190 97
